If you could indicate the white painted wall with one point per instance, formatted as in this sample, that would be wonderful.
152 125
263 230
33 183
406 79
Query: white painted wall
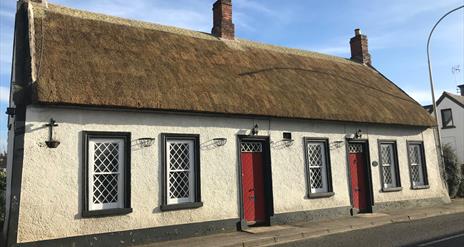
453 136
51 191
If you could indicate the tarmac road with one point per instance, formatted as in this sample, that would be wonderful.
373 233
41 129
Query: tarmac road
447 230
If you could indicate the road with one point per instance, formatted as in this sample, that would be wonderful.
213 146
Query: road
438 231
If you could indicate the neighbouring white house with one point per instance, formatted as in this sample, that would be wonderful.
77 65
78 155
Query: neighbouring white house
126 132
450 112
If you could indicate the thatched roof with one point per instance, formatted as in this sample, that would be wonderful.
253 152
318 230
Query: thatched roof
86 59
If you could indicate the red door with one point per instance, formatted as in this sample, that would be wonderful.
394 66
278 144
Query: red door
358 173
254 206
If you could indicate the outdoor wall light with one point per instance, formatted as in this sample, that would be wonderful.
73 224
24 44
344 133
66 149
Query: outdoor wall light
146 142
255 130
219 142
356 135
287 139
51 143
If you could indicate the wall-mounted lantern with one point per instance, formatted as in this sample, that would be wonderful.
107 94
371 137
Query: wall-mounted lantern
219 142
10 111
146 142
356 135
51 143
287 138
255 130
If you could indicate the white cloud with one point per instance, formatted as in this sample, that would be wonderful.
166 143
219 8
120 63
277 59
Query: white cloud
424 97
4 94
185 14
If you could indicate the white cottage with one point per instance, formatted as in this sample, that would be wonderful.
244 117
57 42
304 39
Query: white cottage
124 132
450 109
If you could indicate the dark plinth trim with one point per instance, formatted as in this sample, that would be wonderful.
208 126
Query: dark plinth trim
142 236
396 205
312 215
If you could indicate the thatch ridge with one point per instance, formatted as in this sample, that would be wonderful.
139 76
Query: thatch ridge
237 43
97 60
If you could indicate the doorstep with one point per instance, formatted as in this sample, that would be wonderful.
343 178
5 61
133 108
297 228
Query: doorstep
268 236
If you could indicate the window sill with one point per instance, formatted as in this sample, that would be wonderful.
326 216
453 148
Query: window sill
392 189
449 127
106 212
189 205
421 187
321 195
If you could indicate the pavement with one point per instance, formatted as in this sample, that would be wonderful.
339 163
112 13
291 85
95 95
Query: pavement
304 231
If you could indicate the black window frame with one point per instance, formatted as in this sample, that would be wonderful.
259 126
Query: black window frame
451 125
397 166
86 136
197 172
424 165
330 192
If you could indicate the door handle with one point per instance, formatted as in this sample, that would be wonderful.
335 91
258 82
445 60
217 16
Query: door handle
357 189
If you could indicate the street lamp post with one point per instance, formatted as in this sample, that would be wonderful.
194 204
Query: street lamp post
431 79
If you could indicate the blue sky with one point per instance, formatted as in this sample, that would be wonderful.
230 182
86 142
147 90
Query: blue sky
397 32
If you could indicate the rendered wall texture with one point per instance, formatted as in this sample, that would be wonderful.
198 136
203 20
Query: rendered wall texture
51 190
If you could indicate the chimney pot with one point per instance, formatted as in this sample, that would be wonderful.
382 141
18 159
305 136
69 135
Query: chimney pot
359 48
223 27
461 89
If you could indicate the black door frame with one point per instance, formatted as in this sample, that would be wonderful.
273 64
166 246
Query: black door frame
367 163
269 198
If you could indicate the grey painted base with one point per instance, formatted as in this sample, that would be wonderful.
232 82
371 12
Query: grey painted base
397 205
313 215
142 236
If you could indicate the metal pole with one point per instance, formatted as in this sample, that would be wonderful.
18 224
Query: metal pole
431 79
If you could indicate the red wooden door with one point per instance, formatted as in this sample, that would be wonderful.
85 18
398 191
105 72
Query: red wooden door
254 203
359 187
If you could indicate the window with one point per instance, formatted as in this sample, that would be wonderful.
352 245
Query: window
417 168
181 172
447 118
318 168
389 166
106 173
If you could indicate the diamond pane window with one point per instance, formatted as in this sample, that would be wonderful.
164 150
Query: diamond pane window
388 165
417 164
181 170
106 179
317 166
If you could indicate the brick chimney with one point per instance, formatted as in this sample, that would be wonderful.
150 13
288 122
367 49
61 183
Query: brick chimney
359 48
43 2
461 89
222 19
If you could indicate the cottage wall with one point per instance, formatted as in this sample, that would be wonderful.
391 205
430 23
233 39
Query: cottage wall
50 204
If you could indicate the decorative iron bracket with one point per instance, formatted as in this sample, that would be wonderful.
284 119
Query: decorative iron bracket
51 143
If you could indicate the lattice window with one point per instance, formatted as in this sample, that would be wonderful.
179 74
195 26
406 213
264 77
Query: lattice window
416 164
251 147
387 161
106 176
317 166
355 148
180 171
